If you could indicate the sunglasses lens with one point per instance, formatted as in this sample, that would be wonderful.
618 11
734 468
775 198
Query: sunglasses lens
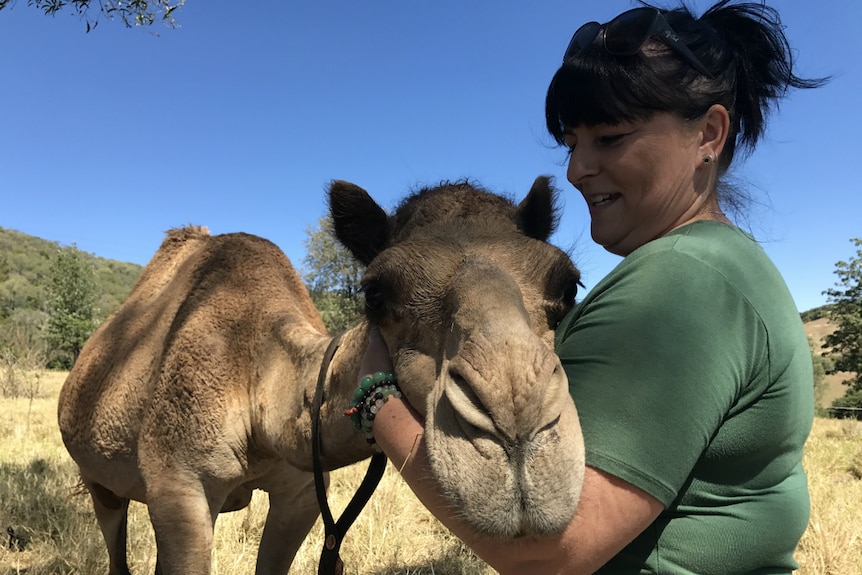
629 31
582 38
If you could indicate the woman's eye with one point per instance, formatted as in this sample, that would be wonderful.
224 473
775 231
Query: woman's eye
611 139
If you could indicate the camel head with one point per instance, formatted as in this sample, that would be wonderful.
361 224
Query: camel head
466 292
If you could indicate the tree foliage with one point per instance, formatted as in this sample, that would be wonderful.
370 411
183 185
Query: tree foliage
129 12
846 313
332 276
72 298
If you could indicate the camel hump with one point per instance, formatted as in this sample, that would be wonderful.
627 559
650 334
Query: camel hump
185 233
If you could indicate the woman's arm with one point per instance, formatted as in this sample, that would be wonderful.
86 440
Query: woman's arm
611 512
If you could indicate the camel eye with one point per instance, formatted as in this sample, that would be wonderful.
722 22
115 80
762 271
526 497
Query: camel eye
563 304
374 300
570 292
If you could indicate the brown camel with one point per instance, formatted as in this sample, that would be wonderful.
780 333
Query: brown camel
198 390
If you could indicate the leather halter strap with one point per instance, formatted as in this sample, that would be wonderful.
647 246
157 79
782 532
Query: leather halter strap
330 560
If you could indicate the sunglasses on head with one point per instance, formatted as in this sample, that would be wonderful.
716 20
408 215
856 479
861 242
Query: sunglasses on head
626 34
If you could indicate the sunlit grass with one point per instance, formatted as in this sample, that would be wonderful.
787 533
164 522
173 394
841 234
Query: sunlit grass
41 501
833 458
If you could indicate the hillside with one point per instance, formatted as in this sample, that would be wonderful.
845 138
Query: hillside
25 263
817 330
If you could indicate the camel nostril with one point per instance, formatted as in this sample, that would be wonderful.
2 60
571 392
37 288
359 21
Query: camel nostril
551 424
547 428
466 403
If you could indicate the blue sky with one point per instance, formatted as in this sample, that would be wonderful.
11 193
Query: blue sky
239 119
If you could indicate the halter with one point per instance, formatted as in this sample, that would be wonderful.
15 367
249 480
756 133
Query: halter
335 531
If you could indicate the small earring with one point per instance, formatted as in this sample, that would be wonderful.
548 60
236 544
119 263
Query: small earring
707 159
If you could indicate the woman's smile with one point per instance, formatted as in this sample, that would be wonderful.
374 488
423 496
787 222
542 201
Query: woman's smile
602 200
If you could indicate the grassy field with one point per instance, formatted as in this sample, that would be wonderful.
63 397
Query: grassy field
395 535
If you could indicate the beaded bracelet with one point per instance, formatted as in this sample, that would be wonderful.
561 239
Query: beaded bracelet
369 397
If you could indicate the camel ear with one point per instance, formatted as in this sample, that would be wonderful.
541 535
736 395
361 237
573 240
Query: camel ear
537 214
359 223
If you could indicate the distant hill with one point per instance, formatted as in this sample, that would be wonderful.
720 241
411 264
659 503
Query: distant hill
25 263
816 313
817 330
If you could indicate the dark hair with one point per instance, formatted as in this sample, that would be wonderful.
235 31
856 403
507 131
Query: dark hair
744 46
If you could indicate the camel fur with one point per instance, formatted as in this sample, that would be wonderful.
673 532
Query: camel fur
198 389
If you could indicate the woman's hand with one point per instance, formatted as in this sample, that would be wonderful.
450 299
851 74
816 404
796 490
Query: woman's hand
397 427
376 356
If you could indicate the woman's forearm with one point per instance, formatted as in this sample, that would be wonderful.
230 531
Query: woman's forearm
399 433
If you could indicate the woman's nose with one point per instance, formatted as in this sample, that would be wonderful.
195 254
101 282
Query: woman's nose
582 164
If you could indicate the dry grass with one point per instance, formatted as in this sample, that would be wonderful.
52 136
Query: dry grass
832 545
40 500
394 535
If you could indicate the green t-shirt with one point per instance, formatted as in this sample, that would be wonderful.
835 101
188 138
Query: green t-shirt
692 376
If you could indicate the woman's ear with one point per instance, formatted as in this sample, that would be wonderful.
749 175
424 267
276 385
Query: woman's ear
715 127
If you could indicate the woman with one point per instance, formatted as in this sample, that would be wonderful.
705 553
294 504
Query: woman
688 362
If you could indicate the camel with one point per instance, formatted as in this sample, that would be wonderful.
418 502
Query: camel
198 389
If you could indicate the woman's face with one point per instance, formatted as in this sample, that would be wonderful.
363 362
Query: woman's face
640 179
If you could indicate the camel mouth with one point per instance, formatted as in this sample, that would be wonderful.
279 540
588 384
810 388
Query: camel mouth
525 497
504 487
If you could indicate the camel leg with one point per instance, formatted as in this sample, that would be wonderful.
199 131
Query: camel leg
112 515
159 570
183 521
292 513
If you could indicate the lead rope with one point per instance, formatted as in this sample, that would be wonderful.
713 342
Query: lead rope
330 560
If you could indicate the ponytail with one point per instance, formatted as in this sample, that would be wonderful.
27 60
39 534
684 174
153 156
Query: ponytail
742 44
753 61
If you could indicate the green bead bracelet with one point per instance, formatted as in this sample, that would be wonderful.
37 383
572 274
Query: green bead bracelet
368 398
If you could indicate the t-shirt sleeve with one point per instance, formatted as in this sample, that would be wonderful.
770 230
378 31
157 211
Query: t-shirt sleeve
656 356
